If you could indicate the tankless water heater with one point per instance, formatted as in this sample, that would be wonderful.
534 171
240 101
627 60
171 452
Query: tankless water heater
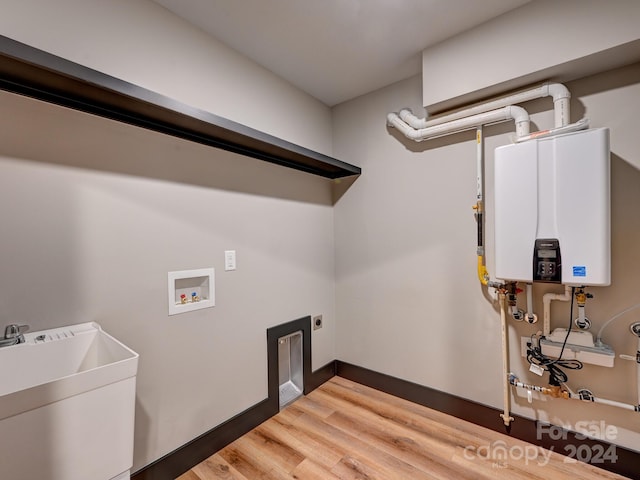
552 209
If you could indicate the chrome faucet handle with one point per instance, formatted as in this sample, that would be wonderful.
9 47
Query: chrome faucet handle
14 330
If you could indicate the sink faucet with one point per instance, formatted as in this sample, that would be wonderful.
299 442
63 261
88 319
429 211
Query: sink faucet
13 334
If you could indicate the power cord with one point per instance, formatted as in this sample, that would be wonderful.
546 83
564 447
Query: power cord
556 375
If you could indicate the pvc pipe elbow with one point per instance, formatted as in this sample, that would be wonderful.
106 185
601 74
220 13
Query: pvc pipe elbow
408 117
391 117
405 114
561 97
393 120
518 114
521 119
558 91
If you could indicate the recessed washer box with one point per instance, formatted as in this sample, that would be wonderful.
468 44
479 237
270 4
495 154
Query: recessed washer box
191 290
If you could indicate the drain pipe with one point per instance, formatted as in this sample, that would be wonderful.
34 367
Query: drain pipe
518 114
557 91
506 416
546 303
530 317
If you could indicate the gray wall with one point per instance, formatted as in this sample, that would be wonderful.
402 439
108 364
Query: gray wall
408 300
94 214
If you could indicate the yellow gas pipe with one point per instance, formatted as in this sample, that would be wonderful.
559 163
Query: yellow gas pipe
483 273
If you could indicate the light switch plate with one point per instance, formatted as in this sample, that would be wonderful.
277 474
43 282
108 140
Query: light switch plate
229 260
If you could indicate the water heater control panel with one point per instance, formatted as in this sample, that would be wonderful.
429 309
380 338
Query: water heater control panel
547 265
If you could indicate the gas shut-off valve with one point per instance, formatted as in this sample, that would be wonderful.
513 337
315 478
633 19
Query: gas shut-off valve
511 292
512 301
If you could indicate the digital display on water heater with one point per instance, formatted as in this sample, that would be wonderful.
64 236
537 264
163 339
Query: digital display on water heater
547 266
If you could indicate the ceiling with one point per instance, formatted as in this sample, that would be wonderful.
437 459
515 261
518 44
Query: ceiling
336 50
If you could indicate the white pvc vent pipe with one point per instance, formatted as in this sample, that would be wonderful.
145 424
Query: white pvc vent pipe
419 129
557 91
518 114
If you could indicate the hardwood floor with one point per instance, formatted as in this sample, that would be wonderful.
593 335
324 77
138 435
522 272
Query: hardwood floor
346 431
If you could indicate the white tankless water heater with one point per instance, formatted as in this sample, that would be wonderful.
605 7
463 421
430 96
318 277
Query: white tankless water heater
552 209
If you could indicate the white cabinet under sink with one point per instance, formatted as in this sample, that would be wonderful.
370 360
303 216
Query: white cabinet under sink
67 402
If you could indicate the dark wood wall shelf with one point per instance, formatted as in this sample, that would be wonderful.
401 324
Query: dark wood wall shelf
32 72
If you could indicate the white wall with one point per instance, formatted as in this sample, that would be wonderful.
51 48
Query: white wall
95 213
408 300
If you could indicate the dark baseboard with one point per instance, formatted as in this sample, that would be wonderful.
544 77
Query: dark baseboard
189 455
561 441
320 376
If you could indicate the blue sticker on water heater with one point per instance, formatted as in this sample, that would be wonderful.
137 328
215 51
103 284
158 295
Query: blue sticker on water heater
579 271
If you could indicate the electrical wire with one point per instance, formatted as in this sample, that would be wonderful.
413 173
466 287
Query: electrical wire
556 375
566 337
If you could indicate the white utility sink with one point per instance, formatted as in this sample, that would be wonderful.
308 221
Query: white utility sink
67 401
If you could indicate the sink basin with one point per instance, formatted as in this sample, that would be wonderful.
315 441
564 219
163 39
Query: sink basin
67 400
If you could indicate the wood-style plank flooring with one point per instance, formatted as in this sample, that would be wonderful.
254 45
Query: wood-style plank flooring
346 431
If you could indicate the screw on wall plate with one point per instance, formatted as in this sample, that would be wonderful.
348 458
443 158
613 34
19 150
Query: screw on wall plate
635 329
317 322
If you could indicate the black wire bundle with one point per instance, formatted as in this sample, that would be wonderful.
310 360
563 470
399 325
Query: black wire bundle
556 375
